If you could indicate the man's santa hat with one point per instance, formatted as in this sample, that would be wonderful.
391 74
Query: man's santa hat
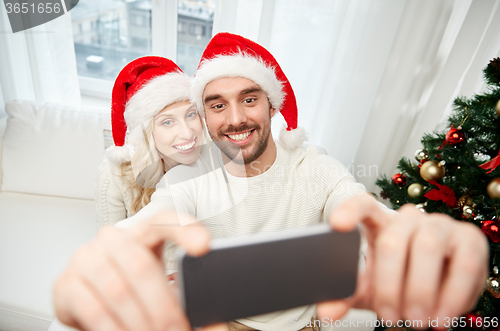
230 55
142 89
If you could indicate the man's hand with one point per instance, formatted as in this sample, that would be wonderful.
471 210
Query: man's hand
117 282
418 266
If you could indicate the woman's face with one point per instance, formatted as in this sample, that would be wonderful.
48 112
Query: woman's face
178 133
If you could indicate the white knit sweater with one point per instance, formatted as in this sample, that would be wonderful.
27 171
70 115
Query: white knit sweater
114 200
301 188
113 197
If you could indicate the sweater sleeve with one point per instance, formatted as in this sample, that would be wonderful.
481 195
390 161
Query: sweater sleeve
109 199
339 186
177 197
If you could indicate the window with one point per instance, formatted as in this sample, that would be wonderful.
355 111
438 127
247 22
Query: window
118 32
197 20
139 20
139 43
108 34
182 27
181 50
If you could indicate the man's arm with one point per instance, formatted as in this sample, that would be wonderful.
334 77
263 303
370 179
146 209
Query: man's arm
176 198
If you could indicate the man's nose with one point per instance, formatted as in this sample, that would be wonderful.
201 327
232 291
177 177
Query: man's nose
236 114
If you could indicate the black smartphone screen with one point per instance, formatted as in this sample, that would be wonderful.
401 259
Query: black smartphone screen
242 277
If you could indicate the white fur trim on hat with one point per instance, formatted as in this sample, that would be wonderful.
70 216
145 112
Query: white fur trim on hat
237 65
292 139
118 154
158 93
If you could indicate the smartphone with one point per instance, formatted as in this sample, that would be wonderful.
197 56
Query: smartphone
253 275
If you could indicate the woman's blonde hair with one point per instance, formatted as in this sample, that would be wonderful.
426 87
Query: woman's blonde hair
146 167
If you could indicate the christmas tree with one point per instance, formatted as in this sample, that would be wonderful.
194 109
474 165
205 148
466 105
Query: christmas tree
457 173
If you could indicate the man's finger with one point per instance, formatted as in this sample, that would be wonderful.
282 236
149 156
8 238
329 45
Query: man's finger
145 274
391 252
112 288
333 309
465 272
88 312
164 226
428 248
360 209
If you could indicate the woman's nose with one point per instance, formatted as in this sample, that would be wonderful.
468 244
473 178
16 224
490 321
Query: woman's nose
185 131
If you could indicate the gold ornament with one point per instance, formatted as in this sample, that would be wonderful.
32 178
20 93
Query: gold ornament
464 200
493 188
421 155
415 190
432 170
468 212
493 286
497 108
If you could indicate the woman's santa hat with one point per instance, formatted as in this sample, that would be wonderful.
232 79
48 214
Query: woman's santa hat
230 55
142 89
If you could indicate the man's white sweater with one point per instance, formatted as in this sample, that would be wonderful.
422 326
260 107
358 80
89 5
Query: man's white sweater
300 189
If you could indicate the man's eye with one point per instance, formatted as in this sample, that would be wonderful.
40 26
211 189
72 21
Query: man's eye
249 100
219 106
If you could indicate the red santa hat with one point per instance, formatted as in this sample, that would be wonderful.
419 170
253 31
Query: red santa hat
142 89
230 55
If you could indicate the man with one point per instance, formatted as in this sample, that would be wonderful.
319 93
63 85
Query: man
414 262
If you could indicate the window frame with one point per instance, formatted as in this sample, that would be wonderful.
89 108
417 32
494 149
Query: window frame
164 43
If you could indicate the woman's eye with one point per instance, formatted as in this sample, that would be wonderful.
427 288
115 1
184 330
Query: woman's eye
191 114
167 123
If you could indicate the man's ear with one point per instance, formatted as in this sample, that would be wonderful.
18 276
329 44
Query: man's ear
272 110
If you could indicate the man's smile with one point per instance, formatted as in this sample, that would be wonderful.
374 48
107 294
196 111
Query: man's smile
240 138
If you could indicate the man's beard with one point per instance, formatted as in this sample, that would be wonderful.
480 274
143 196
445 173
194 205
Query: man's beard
231 150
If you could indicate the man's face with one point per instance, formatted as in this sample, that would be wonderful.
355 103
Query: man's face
238 117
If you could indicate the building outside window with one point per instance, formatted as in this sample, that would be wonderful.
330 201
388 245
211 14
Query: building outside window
197 17
108 34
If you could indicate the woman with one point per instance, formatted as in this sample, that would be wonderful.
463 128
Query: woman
150 99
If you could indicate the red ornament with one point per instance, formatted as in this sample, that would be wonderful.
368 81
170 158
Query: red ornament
492 230
445 194
455 136
492 164
474 320
399 179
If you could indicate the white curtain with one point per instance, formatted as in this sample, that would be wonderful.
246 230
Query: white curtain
39 63
371 76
